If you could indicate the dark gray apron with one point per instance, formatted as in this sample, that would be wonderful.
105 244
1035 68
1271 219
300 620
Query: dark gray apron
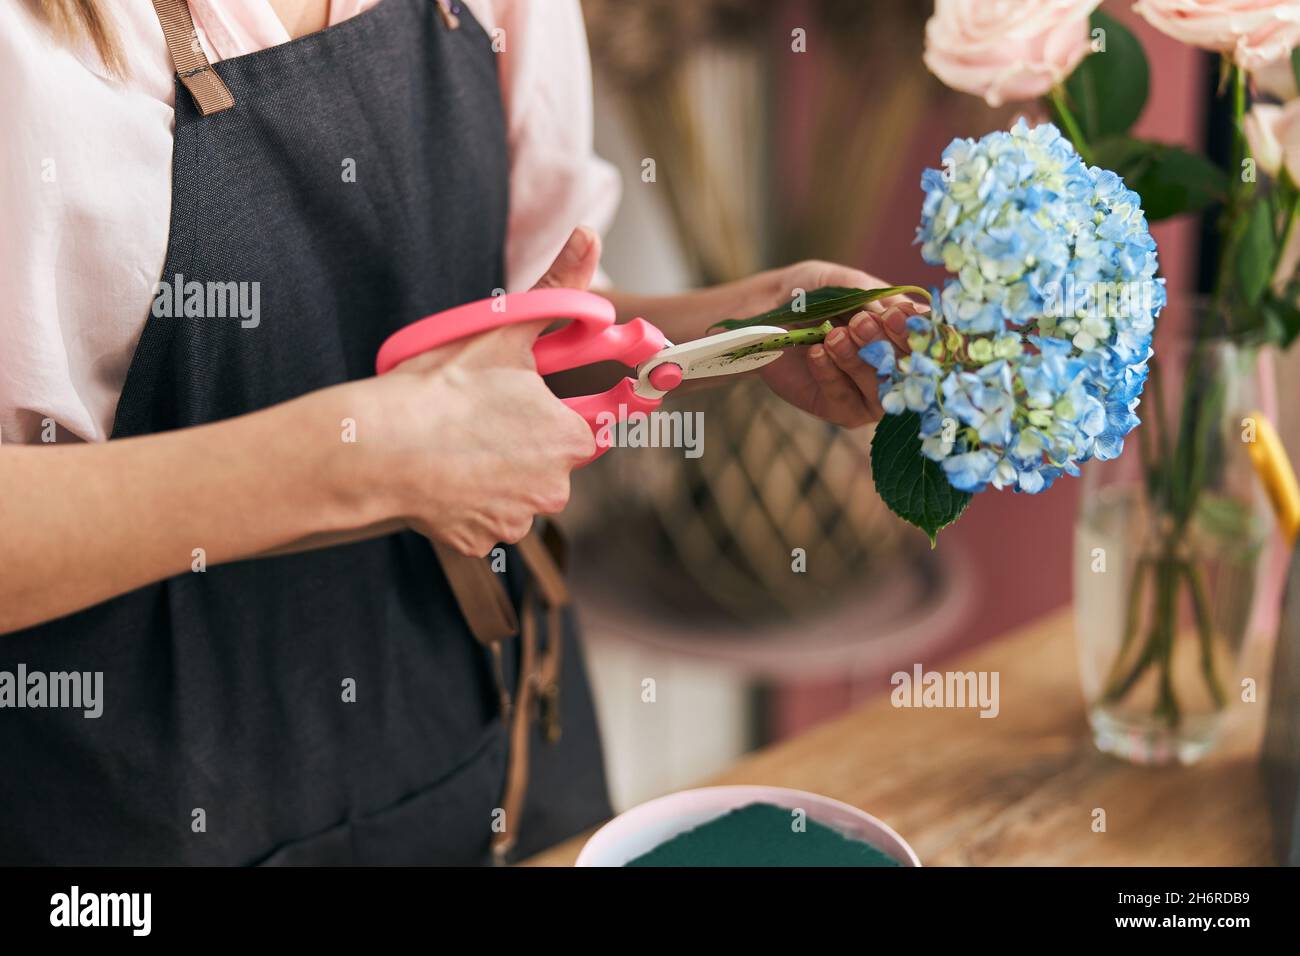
226 736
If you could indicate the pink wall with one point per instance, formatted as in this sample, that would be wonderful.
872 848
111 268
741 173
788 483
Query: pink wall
1019 547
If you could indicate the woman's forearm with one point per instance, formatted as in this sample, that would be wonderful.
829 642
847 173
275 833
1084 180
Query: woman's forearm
463 444
82 523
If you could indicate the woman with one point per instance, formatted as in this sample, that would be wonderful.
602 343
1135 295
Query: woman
251 563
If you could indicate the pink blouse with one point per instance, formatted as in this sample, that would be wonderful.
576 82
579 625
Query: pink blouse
85 186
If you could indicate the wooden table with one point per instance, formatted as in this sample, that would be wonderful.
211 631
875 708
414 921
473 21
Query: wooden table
1021 788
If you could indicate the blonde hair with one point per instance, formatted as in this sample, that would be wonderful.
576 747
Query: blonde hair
75 19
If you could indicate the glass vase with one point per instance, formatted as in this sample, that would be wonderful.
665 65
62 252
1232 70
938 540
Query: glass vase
1168 551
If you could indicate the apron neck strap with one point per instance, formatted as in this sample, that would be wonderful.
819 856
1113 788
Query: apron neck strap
211 95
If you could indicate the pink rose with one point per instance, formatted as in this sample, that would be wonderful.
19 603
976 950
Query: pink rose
1252 31
1274 136
1007 49
1276 79
1273 133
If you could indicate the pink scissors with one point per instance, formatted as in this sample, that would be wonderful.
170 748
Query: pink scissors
592 336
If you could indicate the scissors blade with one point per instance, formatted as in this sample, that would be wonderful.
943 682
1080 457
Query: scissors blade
712 355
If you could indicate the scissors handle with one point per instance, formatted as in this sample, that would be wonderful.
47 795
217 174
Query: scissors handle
592 336
606 409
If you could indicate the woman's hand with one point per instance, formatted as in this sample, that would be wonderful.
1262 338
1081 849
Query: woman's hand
471 443
830 381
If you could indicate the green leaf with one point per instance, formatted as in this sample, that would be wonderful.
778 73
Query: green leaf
1171 180
1295 66
1280 318
820 305
1255 252
1109 88
1224 517
914 487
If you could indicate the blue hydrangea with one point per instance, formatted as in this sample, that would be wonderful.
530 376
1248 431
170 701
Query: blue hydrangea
1033 357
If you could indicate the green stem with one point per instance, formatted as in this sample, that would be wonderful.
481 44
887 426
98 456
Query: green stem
1159 647
1072 128
1160 482
1292 211
1209 412
1121 682
1132 617
1119 686
1166 627
1205 633
1239 117
1148 463
1237 189
1179 475
779 342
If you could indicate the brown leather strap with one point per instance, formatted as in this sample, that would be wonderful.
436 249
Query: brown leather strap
192 66
449 19
545 571
548 676
538 691
516 785
557 544
541 552
481 595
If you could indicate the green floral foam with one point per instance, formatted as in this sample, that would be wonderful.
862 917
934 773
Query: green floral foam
761 834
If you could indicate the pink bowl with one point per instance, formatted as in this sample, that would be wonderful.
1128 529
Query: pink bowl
641 829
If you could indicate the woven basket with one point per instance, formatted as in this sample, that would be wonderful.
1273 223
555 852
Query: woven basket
776 520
